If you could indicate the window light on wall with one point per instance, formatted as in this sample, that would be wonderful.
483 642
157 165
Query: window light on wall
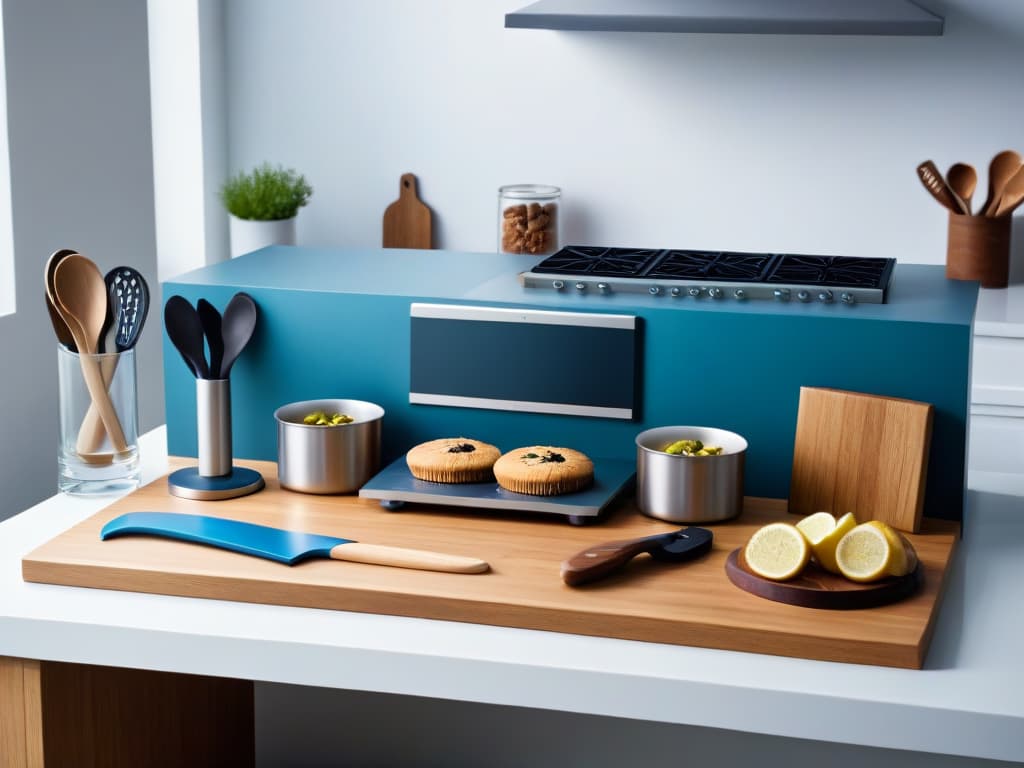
7 299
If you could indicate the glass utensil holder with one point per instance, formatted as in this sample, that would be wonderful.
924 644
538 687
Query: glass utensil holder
98 451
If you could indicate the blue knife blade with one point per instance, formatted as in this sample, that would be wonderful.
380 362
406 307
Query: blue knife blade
289 547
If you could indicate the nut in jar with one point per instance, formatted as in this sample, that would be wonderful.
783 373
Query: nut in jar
528 219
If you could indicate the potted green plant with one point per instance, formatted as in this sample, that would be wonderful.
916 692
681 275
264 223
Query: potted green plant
262 205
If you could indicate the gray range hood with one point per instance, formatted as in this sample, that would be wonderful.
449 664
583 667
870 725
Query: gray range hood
767 17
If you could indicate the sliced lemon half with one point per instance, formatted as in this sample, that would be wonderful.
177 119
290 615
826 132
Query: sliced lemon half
817 526
778 551
825 549
904 559
866 554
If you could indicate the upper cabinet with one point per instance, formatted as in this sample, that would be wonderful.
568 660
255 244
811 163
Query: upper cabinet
766 17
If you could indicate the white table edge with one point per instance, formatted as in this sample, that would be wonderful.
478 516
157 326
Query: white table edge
962 704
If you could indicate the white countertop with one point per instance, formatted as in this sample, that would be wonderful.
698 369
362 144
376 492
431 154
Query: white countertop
969 700
1000 312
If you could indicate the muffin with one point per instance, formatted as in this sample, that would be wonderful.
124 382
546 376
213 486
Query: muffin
452 460
543 470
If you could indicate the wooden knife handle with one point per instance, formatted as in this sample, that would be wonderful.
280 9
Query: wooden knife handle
377 554
601 559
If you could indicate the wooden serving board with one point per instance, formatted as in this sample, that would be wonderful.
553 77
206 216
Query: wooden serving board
692 603
865 454
817 588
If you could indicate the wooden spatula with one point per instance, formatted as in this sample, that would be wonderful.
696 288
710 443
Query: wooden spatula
407 221
936 184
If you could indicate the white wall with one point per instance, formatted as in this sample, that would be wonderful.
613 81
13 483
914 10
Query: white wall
81 177
742 142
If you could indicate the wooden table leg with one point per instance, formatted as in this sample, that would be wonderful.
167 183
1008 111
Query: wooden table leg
54 714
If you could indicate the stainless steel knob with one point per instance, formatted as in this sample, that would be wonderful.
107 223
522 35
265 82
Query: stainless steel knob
581 286
803 296
557 285
740 294
782 294
654 290
603 287
695 291
847 298
715 293
825 296
675 292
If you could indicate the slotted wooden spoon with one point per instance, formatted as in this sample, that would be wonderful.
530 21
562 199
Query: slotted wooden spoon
936 184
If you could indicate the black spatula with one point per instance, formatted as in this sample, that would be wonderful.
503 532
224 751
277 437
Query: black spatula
186 333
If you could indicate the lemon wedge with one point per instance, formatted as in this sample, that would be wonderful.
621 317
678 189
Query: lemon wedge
817 526
866 554
904 559
825 548
778 551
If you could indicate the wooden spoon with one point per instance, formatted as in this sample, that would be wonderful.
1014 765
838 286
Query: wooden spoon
1012 195
964 180
938 187
1000 171
80 296
60 328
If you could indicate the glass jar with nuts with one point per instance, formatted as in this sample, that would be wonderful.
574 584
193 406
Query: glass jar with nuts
528 219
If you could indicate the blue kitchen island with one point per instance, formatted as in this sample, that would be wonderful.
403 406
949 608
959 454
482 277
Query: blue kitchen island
336 323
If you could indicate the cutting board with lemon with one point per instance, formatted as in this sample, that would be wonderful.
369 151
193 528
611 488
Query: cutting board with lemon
691 603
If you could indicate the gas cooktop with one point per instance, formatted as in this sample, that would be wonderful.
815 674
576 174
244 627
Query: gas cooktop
713 274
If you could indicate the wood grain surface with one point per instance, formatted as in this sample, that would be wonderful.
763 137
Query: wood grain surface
407 221
815 587
690 603
59 714
21 733
864 454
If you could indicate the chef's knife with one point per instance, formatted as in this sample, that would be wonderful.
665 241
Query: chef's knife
598 561
289 547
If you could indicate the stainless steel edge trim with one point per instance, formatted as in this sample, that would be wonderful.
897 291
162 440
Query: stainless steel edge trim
537 505
184 492
641 285
512 315
458 401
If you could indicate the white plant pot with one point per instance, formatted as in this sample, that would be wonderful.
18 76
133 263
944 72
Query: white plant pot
248 235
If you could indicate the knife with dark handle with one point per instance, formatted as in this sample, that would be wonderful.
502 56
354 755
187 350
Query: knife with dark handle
598 561
288 547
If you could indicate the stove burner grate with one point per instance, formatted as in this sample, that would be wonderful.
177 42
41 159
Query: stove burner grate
603 262
710 265
832 271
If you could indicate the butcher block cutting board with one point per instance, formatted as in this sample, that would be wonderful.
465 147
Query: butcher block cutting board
685 604
860 453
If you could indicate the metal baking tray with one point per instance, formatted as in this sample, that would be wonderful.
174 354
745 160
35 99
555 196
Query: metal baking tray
394 486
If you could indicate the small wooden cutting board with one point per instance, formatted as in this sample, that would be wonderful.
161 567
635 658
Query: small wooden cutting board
407 221
860 453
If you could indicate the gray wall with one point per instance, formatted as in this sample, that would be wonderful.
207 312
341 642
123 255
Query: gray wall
81 177
319 728
744 142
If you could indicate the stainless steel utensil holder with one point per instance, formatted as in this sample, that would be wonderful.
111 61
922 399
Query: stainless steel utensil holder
216 478
213 426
